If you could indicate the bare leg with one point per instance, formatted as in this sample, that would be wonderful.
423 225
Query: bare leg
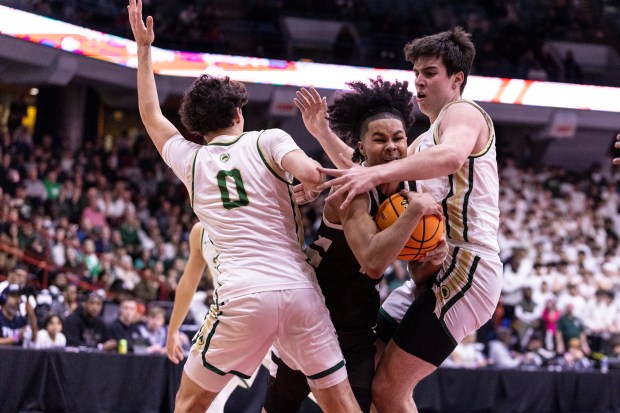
192 398
337 399
380 349
392 391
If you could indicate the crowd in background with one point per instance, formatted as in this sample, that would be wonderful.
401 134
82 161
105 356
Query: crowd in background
510 36
111 223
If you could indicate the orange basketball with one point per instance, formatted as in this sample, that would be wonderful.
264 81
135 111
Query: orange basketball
423 238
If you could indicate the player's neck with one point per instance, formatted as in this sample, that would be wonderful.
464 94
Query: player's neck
432 117
234 130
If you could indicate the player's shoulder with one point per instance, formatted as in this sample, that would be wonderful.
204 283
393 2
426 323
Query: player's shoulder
463 106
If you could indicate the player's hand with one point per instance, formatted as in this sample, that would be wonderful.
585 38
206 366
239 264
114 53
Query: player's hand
617 146
174 351
352 181
437 255
143 34
304 195
313 110
423 203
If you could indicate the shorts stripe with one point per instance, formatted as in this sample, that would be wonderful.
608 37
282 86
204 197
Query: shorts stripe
457 296
206 347
327 372
447 306
451 267
388 317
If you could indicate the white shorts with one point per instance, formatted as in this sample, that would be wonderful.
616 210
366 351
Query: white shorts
467 290
238 332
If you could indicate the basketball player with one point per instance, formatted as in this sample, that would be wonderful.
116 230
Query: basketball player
350 254
455 162
240 189
202 255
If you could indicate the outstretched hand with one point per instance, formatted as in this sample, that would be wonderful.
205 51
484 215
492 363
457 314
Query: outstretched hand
617 146
313 110
143 34
351 181
304 195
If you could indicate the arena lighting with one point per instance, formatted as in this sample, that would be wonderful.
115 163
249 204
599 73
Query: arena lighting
109 48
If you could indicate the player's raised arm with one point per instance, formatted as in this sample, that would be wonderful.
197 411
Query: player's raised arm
462 126
313 110
158 127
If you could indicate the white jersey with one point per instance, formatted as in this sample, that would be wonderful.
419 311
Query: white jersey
244 200
470 196
207 249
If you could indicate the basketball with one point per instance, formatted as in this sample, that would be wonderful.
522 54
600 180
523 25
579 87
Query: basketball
424 237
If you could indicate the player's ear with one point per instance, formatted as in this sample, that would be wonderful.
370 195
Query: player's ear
238 115
458 79
360 146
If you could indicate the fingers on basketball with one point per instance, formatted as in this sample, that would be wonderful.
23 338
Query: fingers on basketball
424 237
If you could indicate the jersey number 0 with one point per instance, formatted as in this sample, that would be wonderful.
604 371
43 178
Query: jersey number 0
222 183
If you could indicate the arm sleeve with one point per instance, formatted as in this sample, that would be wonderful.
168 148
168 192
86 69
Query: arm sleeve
179 153
276 143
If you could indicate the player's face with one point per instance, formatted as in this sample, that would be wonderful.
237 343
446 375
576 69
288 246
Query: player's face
385 141
434 88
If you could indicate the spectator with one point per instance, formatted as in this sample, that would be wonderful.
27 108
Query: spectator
85 326
155 331
51 184
550 317
126 326
535 354
570 327
35 189
599 318
67 303
94 209
527 316
51 335
15 328
516 272
500 350
467 354
575 357
125 273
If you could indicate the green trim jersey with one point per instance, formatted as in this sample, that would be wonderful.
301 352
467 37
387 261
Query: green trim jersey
244 199
470 196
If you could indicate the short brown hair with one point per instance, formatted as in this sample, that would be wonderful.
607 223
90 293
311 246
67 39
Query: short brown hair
454 46
210 102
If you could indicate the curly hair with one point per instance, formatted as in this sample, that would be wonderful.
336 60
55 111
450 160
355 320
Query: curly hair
352 111
455 47
210 102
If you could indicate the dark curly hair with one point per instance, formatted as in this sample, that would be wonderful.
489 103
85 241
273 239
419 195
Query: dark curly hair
455 47
210 102
351 111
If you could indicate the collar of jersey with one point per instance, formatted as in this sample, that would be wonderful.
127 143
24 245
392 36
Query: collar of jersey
225 140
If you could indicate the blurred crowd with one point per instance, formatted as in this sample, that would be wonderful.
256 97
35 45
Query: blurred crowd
381 28
97 240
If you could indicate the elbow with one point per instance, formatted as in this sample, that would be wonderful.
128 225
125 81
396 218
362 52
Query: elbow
313 176
453 161
374 268
453 164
